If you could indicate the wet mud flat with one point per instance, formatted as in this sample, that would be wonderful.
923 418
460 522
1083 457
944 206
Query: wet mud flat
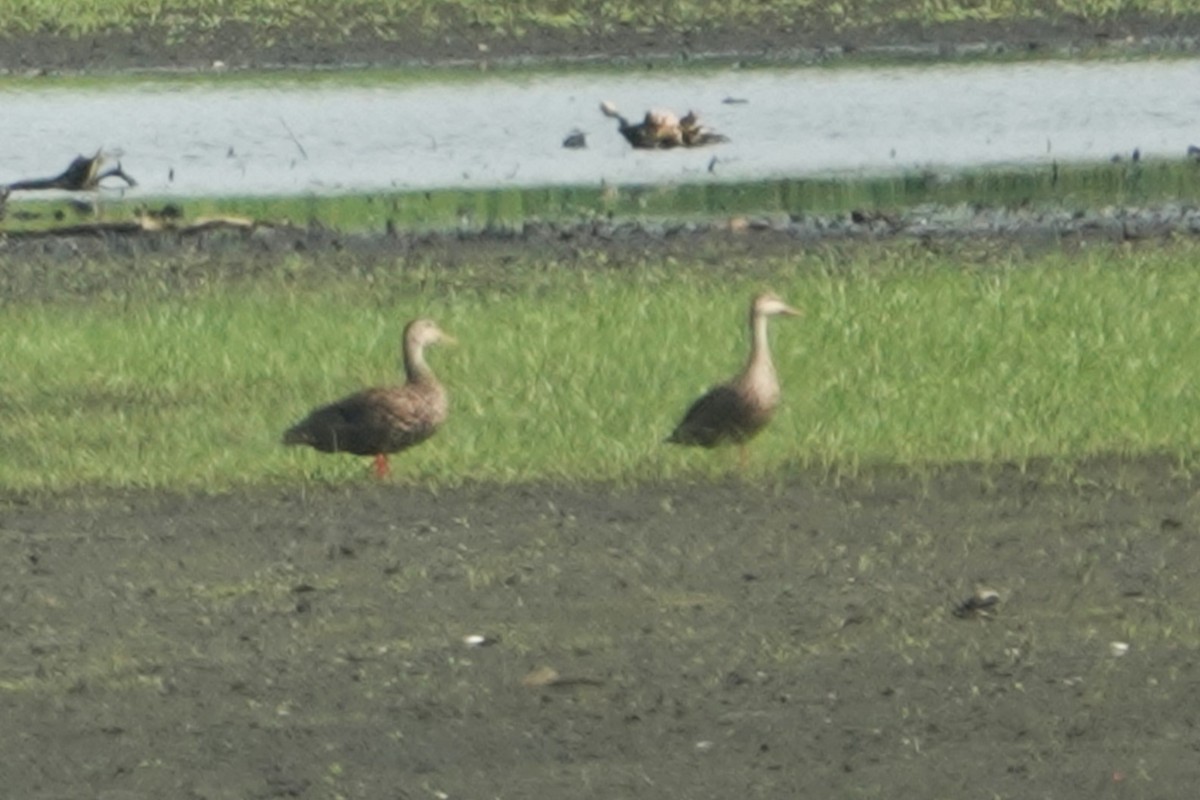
51 263
800 636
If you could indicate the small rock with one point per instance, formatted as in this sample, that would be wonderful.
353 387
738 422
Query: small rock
542 676
979 604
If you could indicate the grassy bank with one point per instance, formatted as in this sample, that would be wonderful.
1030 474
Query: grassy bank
1048 187
337 20
903 357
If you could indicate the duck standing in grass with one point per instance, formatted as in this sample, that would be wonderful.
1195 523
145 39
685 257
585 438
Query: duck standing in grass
733 412
383 420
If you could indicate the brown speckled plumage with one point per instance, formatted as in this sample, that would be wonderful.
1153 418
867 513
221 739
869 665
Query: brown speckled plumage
734 411
382 420
663 130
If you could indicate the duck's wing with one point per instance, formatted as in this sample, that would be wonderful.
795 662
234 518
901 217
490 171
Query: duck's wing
411 413
379 420
712 419
704 137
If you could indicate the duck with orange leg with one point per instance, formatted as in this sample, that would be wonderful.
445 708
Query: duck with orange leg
384 420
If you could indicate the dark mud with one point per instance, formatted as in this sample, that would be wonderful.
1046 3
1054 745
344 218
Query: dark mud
400 42
48 265
791 640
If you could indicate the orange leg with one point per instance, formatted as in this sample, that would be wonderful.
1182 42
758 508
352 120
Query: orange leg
382 468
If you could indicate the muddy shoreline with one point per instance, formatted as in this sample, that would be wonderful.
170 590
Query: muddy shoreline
233 46
240 253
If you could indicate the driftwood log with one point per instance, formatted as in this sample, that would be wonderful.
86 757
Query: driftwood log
83 175
146 222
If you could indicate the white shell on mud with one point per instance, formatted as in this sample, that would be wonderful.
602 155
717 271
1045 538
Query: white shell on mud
478 640
1118 649
986 597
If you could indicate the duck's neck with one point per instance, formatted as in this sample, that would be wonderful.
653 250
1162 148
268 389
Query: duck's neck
415 368
760 352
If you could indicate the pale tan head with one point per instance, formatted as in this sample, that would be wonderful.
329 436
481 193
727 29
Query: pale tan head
421 333
769 304
661 118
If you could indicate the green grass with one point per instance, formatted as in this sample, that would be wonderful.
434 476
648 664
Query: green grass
1049 186
903 358
333 20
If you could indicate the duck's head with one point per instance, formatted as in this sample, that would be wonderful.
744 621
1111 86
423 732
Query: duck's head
424 332
769 304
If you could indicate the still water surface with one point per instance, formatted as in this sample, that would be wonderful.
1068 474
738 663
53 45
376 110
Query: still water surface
293 138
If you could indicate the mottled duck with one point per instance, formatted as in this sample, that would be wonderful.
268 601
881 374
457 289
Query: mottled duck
662 130
383 420
733 412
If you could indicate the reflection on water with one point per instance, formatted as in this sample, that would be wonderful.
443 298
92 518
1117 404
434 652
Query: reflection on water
295 138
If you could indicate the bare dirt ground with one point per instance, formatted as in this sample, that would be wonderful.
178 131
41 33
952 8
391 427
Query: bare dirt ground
798 639
793 639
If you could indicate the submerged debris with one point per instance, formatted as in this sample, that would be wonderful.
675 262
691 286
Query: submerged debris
576 140
662 130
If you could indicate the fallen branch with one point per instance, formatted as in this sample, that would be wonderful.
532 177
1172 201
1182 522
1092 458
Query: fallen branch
83 175
145 223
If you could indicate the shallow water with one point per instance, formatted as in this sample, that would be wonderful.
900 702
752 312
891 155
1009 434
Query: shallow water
302 138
